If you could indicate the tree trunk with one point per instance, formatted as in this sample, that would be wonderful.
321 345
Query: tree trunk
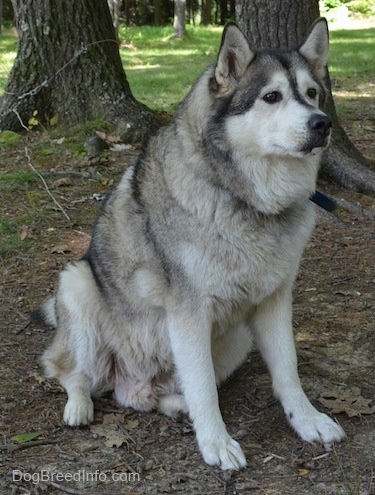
158 14
206 12
114 9
179 18
285 24
68 66
127 9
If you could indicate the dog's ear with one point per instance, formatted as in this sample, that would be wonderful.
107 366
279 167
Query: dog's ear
234 57
315 48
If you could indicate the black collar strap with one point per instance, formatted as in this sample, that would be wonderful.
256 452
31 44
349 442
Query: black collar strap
323 201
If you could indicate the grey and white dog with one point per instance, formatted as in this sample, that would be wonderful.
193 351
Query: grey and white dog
194 254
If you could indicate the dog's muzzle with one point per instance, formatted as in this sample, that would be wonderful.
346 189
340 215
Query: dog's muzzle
319 126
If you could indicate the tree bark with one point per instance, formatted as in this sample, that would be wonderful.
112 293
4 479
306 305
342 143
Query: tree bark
114 9
158 15
179 18
68 66
285 24
206 12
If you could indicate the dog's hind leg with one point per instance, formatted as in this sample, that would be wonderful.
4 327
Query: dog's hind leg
170 401
134 392
77 356
173 405
274 336
60 361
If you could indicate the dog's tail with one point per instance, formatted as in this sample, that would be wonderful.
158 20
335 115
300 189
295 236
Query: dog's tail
46 314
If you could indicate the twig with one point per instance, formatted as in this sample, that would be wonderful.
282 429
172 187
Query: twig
21 121
12 447
271 456
356 208
76 175
45 185
372 477
65 489
47 81
108 410
322 456
27 324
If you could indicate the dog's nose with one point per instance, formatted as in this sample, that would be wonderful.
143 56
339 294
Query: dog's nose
320 123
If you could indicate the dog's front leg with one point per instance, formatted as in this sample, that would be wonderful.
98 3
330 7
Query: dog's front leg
79 410
190 338
274 337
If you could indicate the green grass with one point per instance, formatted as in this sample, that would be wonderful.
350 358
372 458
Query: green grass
10 239
161 68
8 51
17 182
14 181
352 54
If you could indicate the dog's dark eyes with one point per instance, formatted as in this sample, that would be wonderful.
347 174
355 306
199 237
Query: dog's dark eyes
273 97
311 93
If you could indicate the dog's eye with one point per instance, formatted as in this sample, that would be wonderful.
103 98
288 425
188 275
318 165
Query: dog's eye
311 93
273 97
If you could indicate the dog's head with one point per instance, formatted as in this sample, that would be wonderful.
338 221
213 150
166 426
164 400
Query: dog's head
269 99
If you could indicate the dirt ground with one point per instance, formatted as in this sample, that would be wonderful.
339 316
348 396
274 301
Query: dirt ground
131 453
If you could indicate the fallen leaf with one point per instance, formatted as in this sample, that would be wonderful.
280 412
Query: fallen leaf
61 249
131 424
63 182
108 137
24 232
106 183
26 437
349 401
112 429
303 472
111 419
53 122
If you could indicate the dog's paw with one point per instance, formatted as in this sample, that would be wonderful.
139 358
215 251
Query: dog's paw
79 412
317 427
224 452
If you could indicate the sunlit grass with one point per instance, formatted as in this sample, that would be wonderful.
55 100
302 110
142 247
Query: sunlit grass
8 51
352 53
160 68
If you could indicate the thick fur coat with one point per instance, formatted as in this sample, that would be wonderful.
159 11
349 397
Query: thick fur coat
194 254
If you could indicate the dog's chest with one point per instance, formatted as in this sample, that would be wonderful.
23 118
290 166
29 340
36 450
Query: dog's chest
248 262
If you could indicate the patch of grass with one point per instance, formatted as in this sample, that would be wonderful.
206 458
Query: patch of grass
9 138
352 69
8 51
76 135
10 239
161 68
14 181
352 54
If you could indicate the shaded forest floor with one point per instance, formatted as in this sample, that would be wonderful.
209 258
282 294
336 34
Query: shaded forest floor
132 453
